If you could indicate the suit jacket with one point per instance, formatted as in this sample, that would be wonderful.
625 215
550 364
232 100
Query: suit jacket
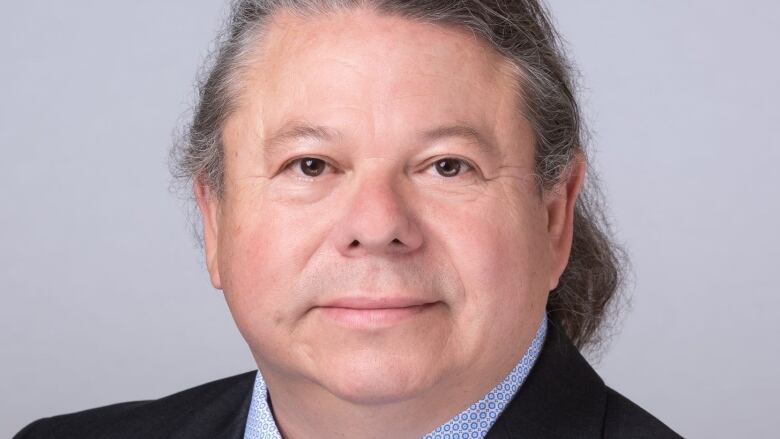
562 397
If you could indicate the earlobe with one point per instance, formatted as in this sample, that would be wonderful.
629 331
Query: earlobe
208 205
560 202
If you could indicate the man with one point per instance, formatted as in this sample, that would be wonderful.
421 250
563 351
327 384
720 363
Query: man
391 195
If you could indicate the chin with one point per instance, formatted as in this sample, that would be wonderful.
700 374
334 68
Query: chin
376 382
361 393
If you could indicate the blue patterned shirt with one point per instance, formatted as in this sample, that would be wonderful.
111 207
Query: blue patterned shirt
474 422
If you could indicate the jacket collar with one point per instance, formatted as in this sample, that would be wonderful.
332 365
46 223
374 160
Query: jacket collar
562 396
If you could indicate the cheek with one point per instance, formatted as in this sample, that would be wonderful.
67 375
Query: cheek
260 257
501 258
492 258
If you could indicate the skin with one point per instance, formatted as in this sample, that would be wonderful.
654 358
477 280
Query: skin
482 247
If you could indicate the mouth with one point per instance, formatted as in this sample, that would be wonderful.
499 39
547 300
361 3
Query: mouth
374 313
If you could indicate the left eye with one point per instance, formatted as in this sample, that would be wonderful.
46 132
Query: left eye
450 166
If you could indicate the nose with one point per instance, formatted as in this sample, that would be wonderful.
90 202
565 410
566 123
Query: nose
377 220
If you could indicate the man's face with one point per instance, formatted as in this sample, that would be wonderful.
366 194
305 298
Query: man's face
380 234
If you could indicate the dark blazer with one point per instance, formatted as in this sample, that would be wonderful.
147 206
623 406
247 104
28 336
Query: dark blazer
562 397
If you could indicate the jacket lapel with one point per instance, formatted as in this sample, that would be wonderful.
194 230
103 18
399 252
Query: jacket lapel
222 417
562 397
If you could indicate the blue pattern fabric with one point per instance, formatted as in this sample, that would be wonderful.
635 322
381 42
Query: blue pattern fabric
474 422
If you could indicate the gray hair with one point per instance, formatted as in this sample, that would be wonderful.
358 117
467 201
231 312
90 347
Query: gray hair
522 32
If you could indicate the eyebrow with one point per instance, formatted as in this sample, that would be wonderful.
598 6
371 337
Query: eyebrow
298 131
472 135
304 131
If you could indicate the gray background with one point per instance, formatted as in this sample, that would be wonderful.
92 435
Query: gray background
105 298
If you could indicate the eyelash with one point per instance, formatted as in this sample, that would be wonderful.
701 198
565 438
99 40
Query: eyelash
469 167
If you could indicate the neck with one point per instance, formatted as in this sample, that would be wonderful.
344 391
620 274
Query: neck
320 413
303 408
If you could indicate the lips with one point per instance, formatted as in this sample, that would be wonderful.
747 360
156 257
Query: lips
365 302
374 312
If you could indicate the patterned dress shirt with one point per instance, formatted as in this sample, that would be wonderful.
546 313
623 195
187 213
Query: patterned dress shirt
474 422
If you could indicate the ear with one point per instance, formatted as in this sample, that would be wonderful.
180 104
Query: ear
208 204
559 202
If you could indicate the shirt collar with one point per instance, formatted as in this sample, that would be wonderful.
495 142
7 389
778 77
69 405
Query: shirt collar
474 422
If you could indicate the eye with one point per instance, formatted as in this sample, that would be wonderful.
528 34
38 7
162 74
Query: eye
312 167
308 166
451 166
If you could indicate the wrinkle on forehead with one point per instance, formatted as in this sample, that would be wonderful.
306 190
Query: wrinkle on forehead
288 34
371 63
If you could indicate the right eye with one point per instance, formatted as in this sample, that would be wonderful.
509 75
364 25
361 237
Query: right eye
309 167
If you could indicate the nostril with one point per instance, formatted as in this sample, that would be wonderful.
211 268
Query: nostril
354 244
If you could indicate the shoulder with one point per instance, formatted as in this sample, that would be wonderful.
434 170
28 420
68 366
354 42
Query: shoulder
623 418
564 397
220 404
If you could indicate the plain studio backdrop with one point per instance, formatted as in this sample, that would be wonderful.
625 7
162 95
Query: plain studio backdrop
106 299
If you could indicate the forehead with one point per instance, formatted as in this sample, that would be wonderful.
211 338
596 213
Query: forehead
361 70
352 29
